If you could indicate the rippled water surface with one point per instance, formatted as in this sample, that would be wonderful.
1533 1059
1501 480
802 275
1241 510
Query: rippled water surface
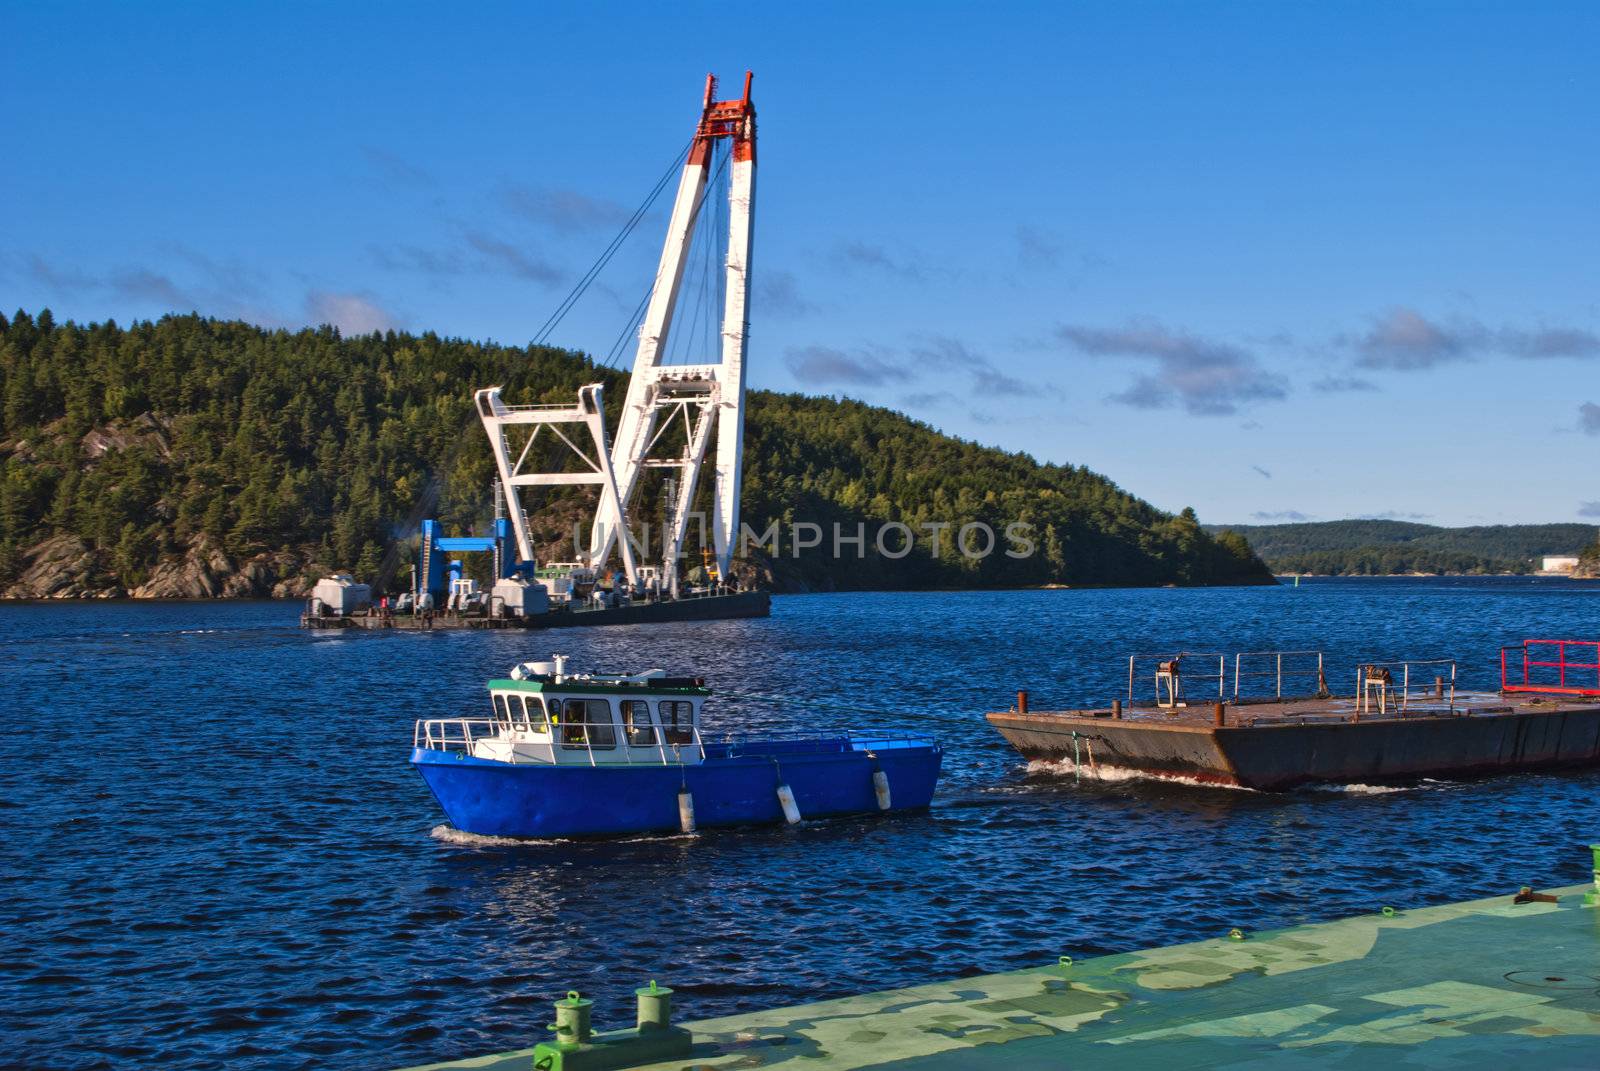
216 854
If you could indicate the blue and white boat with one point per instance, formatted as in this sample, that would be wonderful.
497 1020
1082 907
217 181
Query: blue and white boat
594 754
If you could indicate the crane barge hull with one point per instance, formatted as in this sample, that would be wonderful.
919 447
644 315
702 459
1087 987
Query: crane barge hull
741 604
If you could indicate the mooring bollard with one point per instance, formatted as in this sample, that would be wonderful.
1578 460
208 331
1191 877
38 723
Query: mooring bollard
1219 713
655 1007
1116 709
1022 702
572 1019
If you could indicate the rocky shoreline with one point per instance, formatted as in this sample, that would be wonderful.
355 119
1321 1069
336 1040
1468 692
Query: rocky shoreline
64 567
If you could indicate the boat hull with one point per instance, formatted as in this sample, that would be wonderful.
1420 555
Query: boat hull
733 786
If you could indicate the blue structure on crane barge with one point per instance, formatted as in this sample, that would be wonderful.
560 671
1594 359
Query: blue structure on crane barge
438 572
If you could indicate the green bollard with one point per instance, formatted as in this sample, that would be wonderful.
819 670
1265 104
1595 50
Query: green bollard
1593 898
572 1019
655 1007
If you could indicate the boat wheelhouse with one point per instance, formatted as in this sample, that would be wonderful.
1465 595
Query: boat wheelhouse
589 754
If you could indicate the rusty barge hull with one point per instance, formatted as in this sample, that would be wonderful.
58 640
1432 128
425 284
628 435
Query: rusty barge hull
1280 745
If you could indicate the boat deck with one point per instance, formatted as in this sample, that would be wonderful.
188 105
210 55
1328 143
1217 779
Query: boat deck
1489 983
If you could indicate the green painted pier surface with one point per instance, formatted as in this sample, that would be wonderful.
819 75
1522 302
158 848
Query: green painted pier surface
1485 984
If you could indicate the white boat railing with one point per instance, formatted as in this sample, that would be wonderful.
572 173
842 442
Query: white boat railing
459 735
452 734
694 748
855 738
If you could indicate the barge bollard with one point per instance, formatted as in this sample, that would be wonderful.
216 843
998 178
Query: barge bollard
1116 709
1219 713
572 1019
1022 702
655 1007
685 810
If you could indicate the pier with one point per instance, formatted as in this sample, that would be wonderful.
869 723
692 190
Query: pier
1512 981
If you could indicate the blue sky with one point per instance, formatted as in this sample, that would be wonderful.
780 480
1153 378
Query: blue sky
1269 260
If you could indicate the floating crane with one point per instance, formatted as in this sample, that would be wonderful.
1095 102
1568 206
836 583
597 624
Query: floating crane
672 410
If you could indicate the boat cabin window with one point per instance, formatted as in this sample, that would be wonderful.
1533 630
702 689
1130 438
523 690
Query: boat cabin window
501 717
677 721
636 723
587 723
531 710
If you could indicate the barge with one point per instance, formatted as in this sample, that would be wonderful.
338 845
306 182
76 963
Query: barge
601 754
1402 721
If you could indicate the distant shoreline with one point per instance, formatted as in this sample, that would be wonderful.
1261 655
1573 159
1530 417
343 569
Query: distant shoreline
1402 576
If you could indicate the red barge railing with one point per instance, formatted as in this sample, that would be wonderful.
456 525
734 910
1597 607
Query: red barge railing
1585 680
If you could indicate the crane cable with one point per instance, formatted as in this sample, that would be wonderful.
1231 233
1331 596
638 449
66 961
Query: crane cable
588 277
429 498
632 324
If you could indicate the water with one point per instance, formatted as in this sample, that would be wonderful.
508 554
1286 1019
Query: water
215 854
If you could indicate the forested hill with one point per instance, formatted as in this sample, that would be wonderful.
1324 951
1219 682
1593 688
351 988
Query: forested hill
1375 548
197 457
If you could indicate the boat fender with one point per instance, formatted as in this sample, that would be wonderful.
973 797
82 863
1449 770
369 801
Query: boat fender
686 810
880 788
791 811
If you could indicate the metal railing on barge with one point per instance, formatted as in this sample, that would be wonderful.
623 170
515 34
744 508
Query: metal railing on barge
1276 667
1576 684
1272 676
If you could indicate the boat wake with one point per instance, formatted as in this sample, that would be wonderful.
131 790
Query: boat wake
1107 774
446 833
1358 789
1104 774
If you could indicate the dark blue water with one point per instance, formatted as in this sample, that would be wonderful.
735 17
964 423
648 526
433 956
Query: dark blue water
215 854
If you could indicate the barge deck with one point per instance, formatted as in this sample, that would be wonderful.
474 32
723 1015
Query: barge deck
1487 983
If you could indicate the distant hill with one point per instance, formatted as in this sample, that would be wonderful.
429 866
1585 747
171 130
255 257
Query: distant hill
197 457
1376 548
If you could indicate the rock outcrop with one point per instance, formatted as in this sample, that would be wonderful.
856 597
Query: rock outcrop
63 567
207 572
146 429
202 573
